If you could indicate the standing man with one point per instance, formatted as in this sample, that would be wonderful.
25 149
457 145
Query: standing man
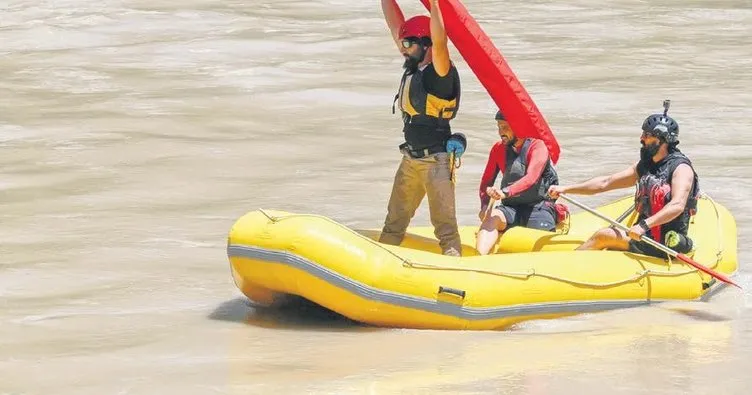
428 98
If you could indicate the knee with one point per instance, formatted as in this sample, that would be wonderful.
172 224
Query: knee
495 222
604 236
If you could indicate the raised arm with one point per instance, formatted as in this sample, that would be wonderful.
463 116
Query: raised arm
440 49
394 19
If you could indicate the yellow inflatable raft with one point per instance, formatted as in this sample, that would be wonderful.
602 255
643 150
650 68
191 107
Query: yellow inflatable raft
531 275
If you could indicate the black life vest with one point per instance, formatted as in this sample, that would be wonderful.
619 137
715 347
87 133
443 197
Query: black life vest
654 192
423 111
516 168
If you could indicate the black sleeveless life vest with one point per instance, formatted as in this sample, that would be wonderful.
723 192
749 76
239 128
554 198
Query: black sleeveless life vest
516 168
654 192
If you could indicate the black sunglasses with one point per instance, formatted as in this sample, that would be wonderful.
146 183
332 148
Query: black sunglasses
409 41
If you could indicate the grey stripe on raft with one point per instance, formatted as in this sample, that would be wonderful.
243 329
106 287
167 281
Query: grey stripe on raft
414 302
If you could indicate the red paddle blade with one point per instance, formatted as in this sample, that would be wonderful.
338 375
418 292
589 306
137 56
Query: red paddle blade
494 73
709 271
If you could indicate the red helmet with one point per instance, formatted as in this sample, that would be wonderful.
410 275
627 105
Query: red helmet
417 26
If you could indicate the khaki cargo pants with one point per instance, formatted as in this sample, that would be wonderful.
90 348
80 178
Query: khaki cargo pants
415 179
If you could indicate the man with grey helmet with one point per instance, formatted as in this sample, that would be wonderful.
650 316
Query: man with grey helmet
666 195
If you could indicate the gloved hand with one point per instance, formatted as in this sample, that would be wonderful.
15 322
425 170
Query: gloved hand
456 144
456 147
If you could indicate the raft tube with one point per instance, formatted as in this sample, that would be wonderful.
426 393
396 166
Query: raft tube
531 274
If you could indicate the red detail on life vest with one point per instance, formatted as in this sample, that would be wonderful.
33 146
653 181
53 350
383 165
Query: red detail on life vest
658 195
651 196
495 75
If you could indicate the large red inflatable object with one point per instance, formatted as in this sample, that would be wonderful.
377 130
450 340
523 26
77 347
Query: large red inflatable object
495 75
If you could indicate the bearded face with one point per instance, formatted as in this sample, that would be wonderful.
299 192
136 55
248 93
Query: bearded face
506 134
650 146
414 54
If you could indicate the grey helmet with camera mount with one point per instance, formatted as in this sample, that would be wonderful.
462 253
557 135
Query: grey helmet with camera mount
662 125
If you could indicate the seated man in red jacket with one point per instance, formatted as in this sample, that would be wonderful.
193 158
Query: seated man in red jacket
527 174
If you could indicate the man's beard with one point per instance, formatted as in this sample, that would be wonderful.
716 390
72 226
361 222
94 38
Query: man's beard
511 142
647 152
411 63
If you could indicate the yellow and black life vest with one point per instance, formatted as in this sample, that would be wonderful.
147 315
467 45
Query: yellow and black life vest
426 116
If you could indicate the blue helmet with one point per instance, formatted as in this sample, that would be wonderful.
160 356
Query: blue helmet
662 126
499 116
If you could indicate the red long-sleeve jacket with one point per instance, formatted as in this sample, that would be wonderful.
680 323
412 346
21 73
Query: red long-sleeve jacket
537 158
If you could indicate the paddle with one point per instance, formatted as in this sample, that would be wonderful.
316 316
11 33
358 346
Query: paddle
488 210
626 213
654 243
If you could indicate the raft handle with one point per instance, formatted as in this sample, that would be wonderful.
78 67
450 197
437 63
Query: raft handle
457 292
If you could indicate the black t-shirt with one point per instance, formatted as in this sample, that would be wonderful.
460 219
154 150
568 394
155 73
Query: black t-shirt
442 87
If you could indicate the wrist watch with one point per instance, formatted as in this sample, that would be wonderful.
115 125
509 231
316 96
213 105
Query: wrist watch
505 191
644 225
